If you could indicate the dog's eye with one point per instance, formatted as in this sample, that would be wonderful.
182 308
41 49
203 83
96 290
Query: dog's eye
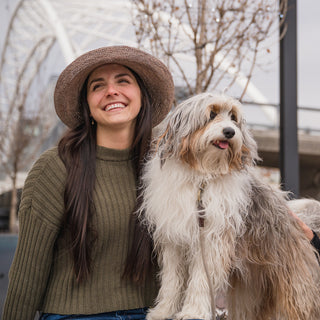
212 115
234 117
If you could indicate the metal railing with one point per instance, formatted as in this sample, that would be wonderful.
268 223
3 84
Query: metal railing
303 129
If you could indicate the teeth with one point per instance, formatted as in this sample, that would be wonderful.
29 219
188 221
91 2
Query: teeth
113 106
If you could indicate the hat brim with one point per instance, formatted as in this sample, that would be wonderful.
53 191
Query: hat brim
154 74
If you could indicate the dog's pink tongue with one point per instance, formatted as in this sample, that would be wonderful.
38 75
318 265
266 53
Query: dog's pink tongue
223 144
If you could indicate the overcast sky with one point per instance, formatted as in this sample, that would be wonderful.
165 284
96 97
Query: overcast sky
308 54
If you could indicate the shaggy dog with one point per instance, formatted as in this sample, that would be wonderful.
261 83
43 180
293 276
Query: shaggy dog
218 228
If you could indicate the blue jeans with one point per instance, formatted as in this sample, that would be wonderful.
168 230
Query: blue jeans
135 314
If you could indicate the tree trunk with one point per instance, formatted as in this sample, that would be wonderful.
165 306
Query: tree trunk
13 221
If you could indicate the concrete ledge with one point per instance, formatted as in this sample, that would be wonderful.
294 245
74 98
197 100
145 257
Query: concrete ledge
309 158
268 140
268 146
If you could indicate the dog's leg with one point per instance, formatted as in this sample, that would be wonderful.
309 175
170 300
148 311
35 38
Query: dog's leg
197 302
172 277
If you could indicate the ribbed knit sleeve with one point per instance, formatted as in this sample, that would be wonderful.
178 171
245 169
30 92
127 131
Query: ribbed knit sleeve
40 215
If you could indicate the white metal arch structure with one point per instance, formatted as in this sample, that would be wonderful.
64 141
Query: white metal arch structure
34 29
36 25
77 26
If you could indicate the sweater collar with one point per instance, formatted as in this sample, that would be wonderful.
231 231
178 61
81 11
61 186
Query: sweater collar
104 153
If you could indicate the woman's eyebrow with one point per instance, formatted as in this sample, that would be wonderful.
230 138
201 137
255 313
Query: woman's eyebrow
116 76
95 80
123 75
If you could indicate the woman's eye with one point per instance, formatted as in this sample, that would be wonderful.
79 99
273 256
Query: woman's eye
212 115
123 80
96 86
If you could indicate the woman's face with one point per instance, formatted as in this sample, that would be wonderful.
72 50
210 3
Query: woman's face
114 97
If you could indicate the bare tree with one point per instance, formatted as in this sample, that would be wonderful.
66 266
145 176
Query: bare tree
24 127
224 37
22 137
24 117
24 142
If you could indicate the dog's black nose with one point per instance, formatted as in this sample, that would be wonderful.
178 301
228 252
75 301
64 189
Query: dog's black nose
228 132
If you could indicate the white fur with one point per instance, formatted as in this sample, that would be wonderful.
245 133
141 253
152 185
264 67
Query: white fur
248 236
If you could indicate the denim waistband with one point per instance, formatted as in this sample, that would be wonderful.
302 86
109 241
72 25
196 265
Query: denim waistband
134 314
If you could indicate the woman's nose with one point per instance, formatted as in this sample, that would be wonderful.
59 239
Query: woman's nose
111 90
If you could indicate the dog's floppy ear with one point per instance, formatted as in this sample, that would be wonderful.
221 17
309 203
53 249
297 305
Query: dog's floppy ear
164 145
167 143
249 150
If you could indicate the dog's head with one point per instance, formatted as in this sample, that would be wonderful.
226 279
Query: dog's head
208 133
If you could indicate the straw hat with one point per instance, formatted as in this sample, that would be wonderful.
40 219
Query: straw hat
154 74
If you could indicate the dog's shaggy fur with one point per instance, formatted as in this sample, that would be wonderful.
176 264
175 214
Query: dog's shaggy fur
249 245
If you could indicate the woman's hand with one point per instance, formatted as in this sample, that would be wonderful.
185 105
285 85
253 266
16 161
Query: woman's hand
308 232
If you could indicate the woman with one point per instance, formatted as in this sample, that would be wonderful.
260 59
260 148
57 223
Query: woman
75 228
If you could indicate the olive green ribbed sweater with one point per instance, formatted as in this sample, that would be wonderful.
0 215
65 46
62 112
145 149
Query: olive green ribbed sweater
41 276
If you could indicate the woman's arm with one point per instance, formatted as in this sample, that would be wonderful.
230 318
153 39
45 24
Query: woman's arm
30 269
40 214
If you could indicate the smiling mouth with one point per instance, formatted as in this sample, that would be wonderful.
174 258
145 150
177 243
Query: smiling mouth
114 106
221 144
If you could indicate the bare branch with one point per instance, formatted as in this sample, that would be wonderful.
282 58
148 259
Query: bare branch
219 36
19 138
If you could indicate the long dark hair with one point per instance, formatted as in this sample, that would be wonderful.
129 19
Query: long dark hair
77 149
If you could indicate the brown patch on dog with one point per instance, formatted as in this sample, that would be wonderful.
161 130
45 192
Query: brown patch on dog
165 139
234 114
245 155
188 148
214 108
238 160
186 154
162 137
